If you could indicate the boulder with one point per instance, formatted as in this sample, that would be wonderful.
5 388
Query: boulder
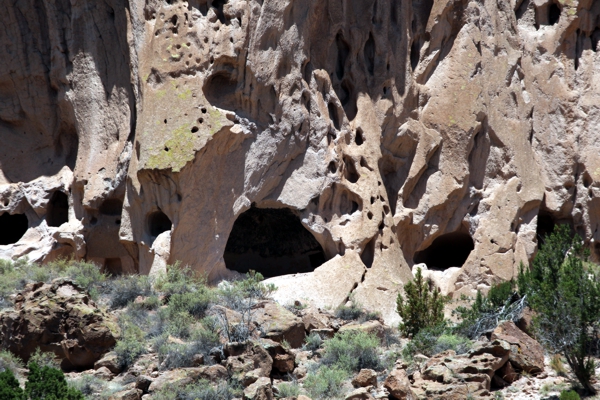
61 318
526 353
372 327
247 362
279 324
110 361
259 390
129 394
359 394
183 376
314 321
366 377
398 385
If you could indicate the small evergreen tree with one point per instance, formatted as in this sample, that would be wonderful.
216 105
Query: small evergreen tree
9 386
49 384
566 299
423 307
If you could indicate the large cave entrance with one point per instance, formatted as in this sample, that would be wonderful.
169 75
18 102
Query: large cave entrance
448 250
272 242
12 228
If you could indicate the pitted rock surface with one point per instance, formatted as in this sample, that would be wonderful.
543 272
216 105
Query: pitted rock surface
59 318
394 132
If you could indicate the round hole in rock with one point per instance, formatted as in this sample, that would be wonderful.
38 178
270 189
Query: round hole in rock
272 242
448 250
158 222
12 228
58 209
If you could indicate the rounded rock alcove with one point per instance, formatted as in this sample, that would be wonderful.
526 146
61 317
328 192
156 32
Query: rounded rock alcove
448 250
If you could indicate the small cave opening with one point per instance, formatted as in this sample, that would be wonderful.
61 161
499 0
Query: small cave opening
273 242
111 207
448 250
12 228
553 14
113 266
158 222
545 226
58 209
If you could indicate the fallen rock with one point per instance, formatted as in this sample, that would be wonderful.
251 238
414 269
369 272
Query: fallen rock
110 361
247 362
129 394
366 377
183 376
359 394
526 353
314 321
279 324
259 390
398 385
372 327
60 318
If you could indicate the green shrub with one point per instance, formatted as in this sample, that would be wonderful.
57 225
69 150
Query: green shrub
201 390
288 389
194 303
422 308
569 395
179 280
9 386
45 359
434 340
352 351
131 345
313 341
566 298
13 278
87 275
9 361
50 384
326 382
125 289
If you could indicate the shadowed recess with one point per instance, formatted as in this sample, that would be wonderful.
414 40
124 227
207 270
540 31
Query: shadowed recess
158 222
449 250
272 242
12 228
58 209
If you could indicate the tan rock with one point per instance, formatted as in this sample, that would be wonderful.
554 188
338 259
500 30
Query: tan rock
110 361
60 318
398 385
526 353
359 394
366 377
182 376
259 390
370 327
279 324
129 394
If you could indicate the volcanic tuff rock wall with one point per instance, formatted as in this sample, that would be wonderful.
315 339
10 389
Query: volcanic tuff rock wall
383 124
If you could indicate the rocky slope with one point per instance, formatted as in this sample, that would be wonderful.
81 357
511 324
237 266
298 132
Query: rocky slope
355 137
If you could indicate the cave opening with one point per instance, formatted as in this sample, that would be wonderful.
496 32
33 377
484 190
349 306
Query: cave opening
58 209
545 226
273 242
112 207
158 222
448 250
12 228
553 14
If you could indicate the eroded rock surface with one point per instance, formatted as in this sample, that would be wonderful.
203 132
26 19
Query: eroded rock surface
450 133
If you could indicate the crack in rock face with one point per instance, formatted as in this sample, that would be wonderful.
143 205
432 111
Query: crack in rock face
300 138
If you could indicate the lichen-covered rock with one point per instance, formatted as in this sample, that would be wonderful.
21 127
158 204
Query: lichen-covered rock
279 324
60 318
526 353
398 385
259 390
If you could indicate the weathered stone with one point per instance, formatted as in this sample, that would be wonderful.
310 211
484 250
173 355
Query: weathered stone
110 361
182 376
251 361
370 327
143 383
284 363
129 394
259 390
60 318
526 353
314 321
359 394
279 324
398 385
366 377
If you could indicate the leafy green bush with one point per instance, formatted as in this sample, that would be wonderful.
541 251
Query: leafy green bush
49 383
313 341
9 386
201 390
325 383
125 289
45 359
569 395
288 389
131 345
566 298
87 275
9 361
177 355
194 303
422 308
352 351
179 280
433 340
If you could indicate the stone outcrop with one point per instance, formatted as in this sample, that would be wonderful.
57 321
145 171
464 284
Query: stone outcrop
375 134
59 318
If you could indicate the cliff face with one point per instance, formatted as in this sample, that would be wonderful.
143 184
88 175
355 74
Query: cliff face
360 137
